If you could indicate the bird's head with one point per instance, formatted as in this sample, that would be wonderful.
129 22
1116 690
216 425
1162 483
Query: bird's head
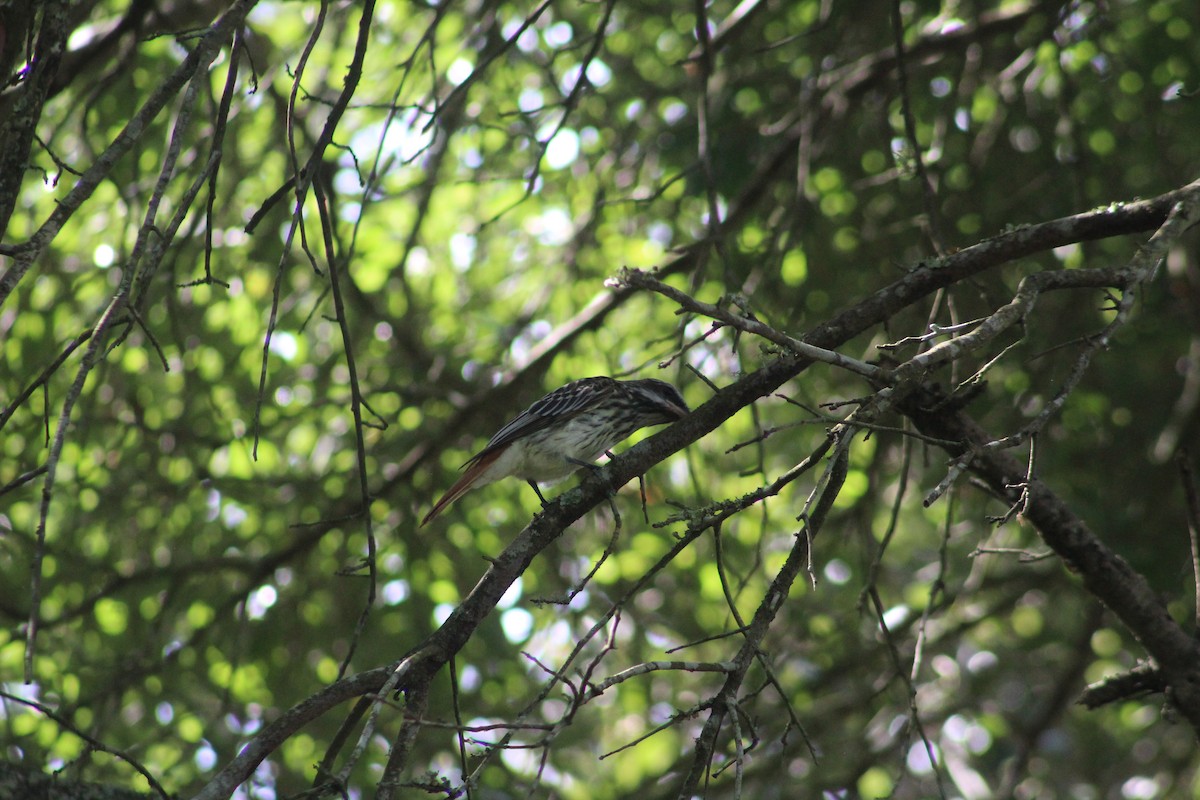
658 401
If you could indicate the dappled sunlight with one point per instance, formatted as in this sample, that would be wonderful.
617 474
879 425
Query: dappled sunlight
908 517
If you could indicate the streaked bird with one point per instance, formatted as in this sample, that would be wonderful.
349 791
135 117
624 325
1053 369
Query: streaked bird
567 429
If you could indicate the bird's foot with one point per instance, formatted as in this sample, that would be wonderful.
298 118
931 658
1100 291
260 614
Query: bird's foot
533 485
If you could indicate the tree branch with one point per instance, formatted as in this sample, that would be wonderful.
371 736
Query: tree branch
427 659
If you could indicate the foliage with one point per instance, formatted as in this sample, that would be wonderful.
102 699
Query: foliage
270 272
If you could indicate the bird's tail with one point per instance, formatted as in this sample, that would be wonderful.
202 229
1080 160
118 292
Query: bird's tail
461 486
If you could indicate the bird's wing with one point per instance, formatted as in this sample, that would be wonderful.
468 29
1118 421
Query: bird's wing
562 403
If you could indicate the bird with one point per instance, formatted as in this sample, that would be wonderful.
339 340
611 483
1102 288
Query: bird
565 430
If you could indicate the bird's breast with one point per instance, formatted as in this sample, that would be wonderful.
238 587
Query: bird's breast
546 455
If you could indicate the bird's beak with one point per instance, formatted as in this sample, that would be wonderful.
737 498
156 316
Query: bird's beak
677 411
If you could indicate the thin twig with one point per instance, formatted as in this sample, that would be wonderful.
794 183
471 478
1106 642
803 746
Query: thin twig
93 742
1192 496
914 713
928 194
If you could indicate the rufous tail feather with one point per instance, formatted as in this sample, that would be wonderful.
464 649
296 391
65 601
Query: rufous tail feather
461 486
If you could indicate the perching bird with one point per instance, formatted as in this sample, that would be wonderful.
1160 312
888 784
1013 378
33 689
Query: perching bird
565 430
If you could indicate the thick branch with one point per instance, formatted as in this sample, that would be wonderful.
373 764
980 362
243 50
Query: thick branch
1105 574
271 737
16 134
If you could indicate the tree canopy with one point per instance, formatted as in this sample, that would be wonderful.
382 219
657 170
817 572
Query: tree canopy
926 274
